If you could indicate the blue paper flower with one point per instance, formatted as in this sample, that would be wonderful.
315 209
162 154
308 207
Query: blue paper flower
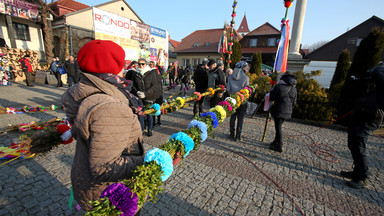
202 126
163 159
156 106
185 139
213 116
157 113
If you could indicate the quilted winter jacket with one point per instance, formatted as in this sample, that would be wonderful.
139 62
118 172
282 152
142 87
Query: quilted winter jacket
109 138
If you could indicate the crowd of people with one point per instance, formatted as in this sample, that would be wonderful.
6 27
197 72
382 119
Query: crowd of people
106 108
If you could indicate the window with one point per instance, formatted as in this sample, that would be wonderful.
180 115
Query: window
358 41
21 31
253 42
271 41
186 62
195 44
207 44
196 62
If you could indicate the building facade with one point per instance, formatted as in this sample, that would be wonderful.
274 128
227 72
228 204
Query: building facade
201 44
20 26
73 29
263 39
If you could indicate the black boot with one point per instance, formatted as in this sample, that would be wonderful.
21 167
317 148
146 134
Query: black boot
149 133
238 137
231 137
348 174
277 147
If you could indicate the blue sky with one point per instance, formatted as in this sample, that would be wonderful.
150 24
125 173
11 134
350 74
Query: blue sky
324 19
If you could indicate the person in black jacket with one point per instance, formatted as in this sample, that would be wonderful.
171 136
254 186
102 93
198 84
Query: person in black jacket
72 69
172 73
185 79
216 77
201 84
284 95
148 87
131 70
367 116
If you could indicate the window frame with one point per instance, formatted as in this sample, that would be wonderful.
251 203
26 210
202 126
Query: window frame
250 42
26 33
274 42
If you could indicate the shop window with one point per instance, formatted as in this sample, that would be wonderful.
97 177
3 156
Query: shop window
21 31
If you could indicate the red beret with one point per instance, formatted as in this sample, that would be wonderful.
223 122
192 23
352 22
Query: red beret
101 56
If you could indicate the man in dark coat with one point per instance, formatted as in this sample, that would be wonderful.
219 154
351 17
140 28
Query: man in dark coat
284 95
184 78
27 69
366 117
72 70
216 77
172 73
201 84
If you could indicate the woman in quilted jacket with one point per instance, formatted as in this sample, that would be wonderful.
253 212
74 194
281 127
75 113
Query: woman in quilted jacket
104 118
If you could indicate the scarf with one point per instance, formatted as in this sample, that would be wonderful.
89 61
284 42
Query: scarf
125 86
143 71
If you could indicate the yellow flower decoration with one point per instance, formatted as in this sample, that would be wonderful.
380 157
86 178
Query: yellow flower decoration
247 91
212 91
180 101
222 112
238 102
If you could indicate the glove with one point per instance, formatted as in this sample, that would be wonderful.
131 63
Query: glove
141 94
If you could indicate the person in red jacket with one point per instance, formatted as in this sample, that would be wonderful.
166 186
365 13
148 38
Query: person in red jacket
27 69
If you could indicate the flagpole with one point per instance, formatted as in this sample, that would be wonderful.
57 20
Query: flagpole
287 5
230 43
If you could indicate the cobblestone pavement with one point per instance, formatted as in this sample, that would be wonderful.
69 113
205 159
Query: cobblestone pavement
212 180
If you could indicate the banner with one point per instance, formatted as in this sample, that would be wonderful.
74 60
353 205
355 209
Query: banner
138 40
19 8
159 46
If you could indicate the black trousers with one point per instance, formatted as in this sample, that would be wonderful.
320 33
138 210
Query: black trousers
239 115
357 140
279 133
198 106
58 77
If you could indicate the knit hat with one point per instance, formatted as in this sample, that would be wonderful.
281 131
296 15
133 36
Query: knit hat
101 56
205 61
211 62
241 64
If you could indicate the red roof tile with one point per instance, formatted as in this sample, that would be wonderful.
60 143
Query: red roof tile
174 43
68 6
243 26
265 29
204 41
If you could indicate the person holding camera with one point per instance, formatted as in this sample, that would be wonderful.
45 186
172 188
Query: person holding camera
366 117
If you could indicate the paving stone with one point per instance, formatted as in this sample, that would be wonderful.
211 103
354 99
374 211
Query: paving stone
211 180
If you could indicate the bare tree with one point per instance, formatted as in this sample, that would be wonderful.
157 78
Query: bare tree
316 45
48 40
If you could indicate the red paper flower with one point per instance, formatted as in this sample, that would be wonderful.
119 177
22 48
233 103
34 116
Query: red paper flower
288 3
